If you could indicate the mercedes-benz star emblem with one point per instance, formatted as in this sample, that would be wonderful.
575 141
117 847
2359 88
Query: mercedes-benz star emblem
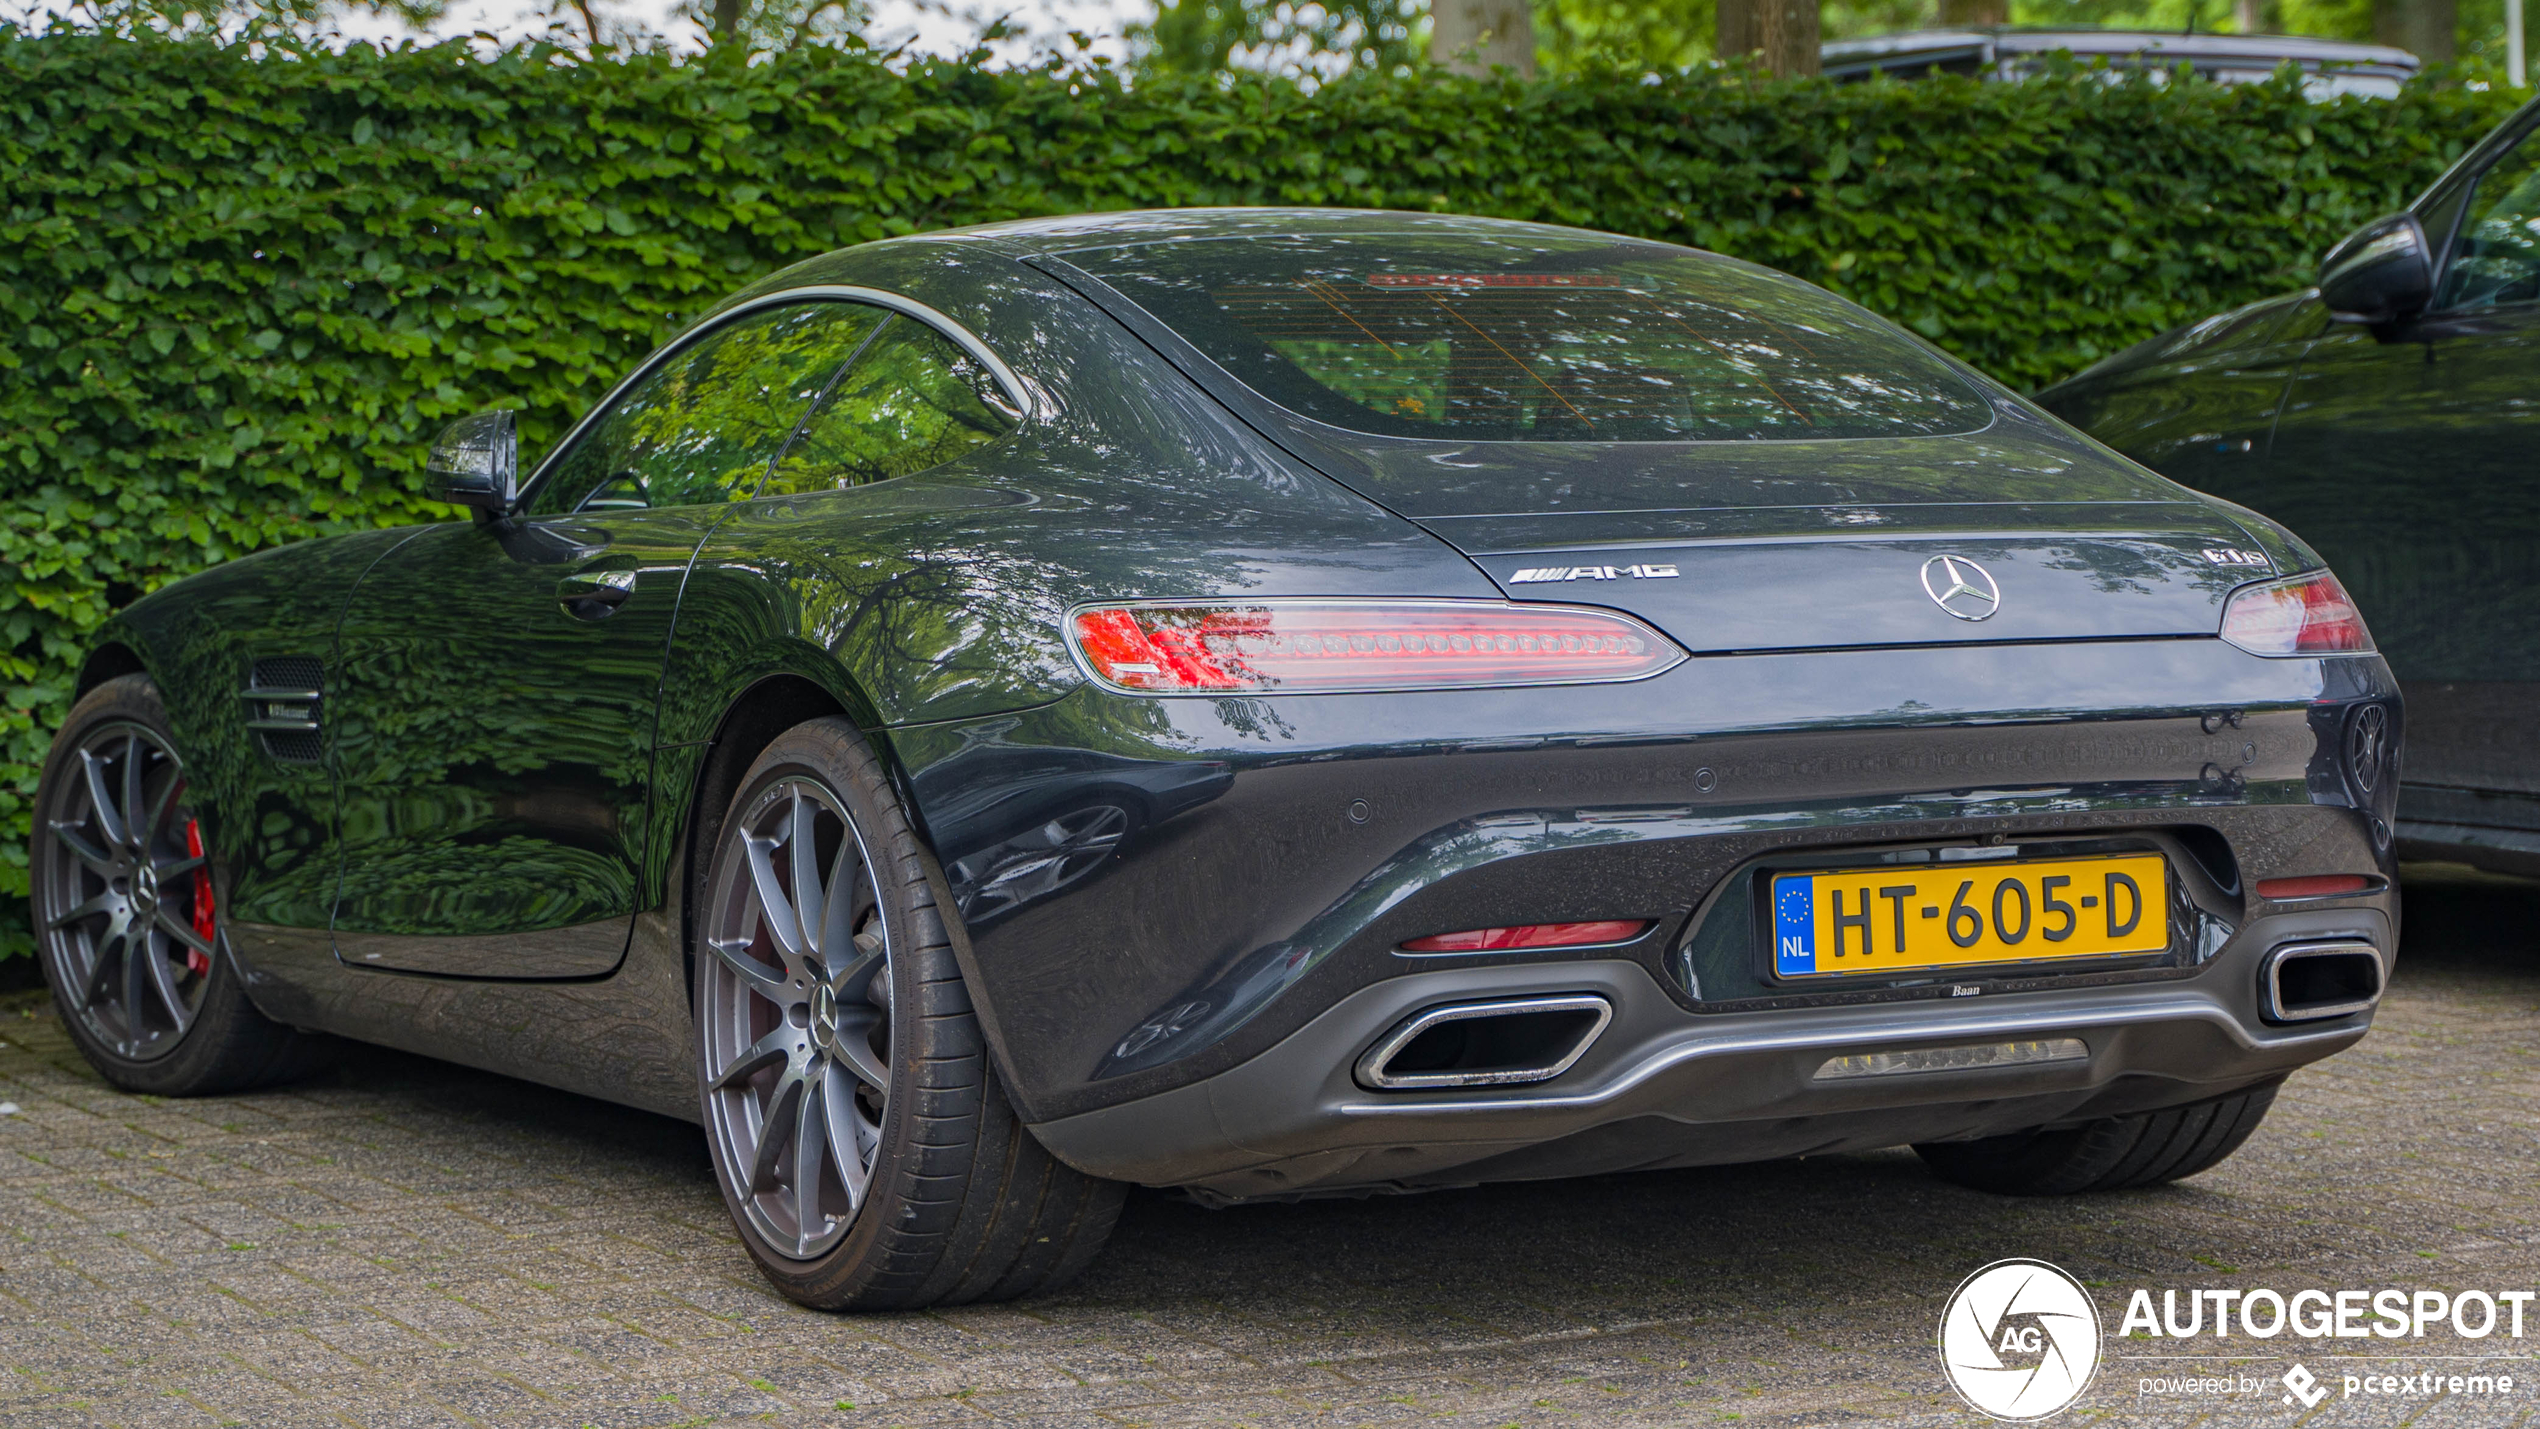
1961 587
824 1016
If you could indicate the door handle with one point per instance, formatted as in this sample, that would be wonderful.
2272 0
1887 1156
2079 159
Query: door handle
594 595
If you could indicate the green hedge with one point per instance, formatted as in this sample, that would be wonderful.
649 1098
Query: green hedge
237 289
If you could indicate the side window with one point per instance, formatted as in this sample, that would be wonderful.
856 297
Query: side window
914 400
703 426
2496 258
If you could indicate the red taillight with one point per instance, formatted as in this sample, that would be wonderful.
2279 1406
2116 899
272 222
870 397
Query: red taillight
1531 935
1327 646
2303 615
2317 885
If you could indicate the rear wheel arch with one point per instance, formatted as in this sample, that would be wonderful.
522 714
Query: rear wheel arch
957 1200
751 720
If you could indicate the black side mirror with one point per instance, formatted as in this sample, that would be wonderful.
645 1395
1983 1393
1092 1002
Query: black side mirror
475 462
2380 273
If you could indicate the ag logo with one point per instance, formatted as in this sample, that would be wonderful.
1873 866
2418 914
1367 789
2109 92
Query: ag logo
2019 1339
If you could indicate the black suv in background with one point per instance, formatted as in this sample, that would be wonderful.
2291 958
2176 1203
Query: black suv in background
2391 416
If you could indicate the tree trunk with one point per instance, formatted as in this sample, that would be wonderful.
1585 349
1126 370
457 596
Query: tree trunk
1783 35
2423 28
1963 14
727 19
2248 17
1471 36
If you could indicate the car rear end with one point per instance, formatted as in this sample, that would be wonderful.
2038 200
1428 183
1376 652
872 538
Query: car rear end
1839 755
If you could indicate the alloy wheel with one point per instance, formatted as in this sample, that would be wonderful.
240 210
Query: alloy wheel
795 1014
124 898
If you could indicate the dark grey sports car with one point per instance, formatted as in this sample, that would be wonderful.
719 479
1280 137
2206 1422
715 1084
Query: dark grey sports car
1268 703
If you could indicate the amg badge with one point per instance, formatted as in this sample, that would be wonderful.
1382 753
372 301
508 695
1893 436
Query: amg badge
1592 573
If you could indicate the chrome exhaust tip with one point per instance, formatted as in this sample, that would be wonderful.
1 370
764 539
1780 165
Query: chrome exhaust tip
1486 1044
2306 982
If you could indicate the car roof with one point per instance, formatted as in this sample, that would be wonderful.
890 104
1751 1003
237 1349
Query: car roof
1071 232
2006 41
939 254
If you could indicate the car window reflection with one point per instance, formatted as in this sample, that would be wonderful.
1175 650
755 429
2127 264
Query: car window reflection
913 400
703 426
2496 259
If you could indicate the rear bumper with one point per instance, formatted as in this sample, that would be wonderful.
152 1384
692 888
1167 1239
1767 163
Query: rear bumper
1665 1087
1154 892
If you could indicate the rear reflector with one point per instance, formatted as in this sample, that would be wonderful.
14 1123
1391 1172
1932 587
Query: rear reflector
1953 1059
1332 646
1531 935
2318 885
2303 615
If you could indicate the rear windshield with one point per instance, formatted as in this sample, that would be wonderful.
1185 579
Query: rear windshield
1519 337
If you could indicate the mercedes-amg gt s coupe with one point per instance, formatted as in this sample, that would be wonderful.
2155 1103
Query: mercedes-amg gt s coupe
1268 703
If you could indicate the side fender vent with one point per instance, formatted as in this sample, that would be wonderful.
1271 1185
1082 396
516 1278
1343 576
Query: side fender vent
282 697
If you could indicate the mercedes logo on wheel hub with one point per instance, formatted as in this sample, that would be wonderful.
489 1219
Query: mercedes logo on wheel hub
1961 587
824 1017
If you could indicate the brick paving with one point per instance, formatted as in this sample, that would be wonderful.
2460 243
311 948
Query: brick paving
404 1243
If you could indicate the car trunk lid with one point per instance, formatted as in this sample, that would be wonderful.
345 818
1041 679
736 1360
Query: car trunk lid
2008 536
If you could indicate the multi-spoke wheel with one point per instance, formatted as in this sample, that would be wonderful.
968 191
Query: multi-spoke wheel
796 1016
127 913
867 1154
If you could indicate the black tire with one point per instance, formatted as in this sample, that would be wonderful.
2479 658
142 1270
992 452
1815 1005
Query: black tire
959 1202
2117 1154
195 1032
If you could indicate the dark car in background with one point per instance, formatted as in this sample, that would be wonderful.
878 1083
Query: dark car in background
2329 68
2392 416
1269 703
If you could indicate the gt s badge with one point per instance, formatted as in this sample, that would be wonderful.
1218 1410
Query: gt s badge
1592 573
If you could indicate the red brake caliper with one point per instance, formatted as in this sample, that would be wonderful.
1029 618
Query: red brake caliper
195 961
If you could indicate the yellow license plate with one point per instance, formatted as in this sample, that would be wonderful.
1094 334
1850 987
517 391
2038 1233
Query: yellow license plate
1952 915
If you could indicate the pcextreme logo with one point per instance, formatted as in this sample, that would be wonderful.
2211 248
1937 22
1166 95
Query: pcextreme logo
2019 1340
